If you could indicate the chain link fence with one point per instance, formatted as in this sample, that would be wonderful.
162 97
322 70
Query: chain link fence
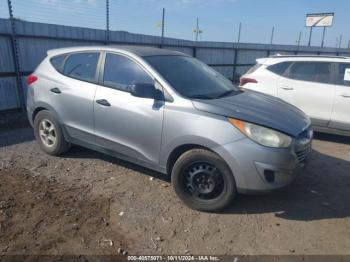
141 17
35 26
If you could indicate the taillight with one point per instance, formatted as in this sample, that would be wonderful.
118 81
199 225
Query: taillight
246 80
31 79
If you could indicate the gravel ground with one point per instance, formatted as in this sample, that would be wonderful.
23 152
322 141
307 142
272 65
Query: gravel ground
89 203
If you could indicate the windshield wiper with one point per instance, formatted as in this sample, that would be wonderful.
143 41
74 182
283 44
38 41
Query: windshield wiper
226 93
201 97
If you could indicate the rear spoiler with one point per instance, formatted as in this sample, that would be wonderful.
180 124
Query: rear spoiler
59 51
55 51
262 61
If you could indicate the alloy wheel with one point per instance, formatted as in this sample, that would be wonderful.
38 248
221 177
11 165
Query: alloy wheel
47 133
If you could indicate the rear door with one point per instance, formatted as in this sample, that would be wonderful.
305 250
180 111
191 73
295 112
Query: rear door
72 93
341 111
309 86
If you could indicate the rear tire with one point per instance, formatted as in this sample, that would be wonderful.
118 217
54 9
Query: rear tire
49 135
203 181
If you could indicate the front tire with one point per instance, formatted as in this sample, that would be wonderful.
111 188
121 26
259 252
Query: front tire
203 181
49 135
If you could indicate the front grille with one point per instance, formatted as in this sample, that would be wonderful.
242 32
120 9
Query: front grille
303 145
302 155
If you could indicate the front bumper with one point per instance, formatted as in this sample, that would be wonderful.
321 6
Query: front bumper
257 168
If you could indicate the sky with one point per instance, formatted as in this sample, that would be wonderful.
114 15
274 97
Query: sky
218 19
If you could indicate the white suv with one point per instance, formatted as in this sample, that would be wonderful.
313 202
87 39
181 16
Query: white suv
318 85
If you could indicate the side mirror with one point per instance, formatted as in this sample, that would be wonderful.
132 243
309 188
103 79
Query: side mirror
144 90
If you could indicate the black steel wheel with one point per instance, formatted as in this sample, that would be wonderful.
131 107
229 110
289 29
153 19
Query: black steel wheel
203 180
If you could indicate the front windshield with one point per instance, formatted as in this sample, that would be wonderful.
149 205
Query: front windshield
192 78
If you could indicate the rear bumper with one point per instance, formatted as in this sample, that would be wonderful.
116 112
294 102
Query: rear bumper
30 104
261 169
30 115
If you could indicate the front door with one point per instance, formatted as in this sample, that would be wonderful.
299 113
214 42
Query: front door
341 111
126 124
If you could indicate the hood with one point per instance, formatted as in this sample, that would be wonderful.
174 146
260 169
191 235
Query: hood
260 109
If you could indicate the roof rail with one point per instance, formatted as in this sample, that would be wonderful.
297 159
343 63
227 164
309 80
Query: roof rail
313 56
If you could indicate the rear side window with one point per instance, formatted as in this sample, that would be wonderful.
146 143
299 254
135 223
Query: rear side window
120 72
254 68
57 62
81 66
279 68
309 71
344 75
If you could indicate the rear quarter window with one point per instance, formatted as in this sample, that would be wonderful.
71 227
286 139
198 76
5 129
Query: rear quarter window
279 68
57 62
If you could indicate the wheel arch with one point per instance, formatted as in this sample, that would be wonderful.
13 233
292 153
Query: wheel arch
180 150
36 111
40 106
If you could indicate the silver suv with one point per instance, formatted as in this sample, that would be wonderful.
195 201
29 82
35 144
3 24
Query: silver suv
169 112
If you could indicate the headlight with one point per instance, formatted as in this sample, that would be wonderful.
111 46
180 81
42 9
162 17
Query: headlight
262 135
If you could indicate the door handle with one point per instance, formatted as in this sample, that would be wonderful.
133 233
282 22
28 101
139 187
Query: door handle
55 90
287 88
346 95
103 102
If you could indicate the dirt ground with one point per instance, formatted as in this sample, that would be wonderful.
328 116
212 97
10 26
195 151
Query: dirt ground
89 203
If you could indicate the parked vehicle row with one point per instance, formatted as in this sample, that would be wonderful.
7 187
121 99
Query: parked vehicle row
318 85
169 112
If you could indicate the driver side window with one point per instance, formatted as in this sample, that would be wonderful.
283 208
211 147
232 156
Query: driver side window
120 72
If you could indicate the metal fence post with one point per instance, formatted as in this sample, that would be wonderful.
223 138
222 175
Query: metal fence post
236 53
340 40
310 36
107 22
15 56
163 25
235 64
272 35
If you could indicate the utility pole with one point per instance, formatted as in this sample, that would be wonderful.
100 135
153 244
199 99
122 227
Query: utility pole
107 22
349 44
15 56
272 33
324 33
163 25
197 31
